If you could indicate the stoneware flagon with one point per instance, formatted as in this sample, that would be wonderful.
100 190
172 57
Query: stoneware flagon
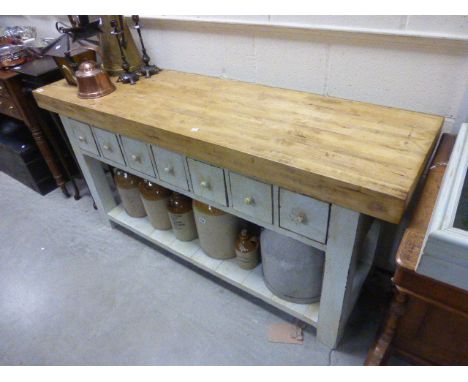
181 215
247 251
127 187
217 230
155 199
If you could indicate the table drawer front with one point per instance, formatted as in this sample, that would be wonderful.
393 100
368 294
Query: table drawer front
3 90
84 136
137 155
8 107
303 215
109 145
251 197
170 167
208 181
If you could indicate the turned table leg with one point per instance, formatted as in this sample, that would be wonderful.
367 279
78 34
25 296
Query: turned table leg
379 353
46 152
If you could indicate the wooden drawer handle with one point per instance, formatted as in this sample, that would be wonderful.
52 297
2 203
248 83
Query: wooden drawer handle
82 139
204 184
11 107
299 218
249 200
168 170
135 158
107 148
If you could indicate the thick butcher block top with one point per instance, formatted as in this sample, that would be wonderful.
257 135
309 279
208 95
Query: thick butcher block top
364 157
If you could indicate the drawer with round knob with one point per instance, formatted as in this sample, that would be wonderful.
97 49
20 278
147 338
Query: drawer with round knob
251 197
7 107
170 167
84 136
137 155
3 91
303 215
208 181
109 145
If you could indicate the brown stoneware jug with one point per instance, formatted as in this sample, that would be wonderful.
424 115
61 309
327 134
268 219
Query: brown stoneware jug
217 230
155 199
181 215
127 187
247 254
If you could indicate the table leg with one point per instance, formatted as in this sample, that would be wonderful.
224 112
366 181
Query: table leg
95 177
346 232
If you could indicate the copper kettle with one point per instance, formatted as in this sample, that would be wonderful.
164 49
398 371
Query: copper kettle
92 81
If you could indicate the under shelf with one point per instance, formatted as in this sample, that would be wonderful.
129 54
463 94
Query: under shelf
250 281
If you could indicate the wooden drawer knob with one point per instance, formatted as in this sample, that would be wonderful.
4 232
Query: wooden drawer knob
135 158
299 218
249 200
107 147
81 138
168 169
204 184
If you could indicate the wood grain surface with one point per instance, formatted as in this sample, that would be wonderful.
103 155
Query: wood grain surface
360 156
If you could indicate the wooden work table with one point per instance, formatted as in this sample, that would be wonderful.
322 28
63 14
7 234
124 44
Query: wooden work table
320 170
360 156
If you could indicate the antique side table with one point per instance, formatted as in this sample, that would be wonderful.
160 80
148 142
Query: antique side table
16 101
427 322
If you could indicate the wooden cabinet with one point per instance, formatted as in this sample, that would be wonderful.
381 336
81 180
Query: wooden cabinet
8 107
444 255
427 321
3 91
16 101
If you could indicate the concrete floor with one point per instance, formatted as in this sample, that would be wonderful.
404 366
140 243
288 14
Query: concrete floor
75 292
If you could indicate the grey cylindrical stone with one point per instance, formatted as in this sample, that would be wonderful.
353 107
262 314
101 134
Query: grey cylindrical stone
292 270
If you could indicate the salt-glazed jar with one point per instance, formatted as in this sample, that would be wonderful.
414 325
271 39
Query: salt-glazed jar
292 270
217 230
181 215
247 254
155 198
127 187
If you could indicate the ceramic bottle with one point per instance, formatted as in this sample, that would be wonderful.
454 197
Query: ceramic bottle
127 187
217 230
181 216
247 254
155 199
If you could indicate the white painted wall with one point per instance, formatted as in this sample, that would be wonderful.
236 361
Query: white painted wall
413 62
